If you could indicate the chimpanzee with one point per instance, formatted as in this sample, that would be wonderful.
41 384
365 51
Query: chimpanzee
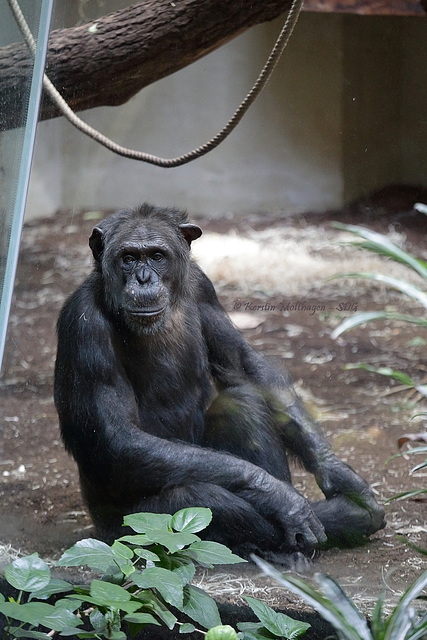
164 405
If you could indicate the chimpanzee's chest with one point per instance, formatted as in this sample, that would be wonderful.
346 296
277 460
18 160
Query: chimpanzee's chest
172 389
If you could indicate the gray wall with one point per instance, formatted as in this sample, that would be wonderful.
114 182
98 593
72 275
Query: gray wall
344 114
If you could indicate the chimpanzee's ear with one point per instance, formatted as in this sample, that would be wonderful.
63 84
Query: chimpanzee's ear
190 232
96 243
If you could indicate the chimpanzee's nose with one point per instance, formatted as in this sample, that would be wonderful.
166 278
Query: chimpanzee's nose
143 274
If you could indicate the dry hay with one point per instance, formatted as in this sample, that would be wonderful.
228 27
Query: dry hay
291 261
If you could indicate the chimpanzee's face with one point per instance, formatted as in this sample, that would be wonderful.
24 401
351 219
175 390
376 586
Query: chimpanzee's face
144 265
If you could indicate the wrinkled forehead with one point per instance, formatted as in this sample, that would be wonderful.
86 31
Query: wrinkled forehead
143 234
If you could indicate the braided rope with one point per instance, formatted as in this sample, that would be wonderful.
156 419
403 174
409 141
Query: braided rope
259 85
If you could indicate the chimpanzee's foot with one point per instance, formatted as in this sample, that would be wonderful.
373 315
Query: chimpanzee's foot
346 523
295 561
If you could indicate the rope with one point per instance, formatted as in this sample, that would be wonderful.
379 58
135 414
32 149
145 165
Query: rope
259 85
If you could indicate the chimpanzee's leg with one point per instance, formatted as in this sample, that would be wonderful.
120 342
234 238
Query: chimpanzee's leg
235 522
241 421
345 522
244 421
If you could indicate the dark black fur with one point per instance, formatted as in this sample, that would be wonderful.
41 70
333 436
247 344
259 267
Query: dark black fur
164 405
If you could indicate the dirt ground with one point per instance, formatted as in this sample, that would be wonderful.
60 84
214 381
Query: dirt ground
363 414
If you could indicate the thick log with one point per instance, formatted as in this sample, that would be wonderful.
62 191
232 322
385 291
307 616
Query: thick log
107 61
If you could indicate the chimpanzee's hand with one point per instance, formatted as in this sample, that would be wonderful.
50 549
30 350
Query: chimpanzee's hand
335 477
279 502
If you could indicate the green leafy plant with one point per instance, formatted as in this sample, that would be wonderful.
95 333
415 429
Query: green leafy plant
380 244
337 608
143 579
415 493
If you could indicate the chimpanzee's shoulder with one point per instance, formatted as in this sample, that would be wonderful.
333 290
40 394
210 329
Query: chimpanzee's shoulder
203 287
82 308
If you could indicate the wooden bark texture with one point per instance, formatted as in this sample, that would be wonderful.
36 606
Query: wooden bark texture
107 61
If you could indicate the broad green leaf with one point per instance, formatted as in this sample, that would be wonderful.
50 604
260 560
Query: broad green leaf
128 607
167 584
93 553
252 631
187 628
179 563
208 553
145 554
141 618
2 598
31 612
72 631
277 623
121 550
200 607
28 634
61 619
185 571
136 539
54 586
115 634
191 520
149 600
108 594
148 522
249 626
174 541
222 632
98 620
123 557
28 574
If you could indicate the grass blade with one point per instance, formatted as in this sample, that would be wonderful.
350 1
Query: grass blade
396 283
402 606
368 316
378 243
330 611
406 494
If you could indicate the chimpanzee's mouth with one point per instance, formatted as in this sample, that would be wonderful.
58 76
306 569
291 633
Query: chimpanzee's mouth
146 313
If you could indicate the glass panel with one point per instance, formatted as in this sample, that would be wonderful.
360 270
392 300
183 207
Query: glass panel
16 145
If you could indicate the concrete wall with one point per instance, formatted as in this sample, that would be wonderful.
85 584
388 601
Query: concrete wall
344 114
286 153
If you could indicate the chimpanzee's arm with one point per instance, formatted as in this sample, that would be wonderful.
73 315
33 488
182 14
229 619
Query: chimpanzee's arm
232 358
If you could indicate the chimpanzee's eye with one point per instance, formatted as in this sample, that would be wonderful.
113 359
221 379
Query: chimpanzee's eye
128 258
157 256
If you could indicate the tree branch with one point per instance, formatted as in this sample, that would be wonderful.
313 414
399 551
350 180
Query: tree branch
107 61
